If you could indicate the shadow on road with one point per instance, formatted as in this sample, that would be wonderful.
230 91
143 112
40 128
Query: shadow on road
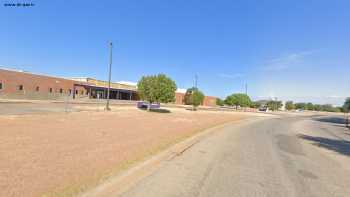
339 146
334 120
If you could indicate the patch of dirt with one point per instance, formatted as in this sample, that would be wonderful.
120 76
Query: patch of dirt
65 153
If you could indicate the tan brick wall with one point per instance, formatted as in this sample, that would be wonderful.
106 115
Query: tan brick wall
209 101
179 98
34 86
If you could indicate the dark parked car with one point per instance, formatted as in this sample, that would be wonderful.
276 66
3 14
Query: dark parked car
263 109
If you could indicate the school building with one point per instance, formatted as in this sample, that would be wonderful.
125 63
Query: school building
17 84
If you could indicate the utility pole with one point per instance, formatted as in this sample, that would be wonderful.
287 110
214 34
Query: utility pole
110 75
195 80
246 88
194 89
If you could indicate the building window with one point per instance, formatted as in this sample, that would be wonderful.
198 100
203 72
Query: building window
37 88
50 90
70 91
1 86
76 91
20 87
61 90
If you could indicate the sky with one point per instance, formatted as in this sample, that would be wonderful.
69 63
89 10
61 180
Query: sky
291 49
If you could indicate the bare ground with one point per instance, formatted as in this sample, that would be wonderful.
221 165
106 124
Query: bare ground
62 154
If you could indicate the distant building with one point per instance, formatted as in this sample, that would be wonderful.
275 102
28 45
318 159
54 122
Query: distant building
180 98
18 84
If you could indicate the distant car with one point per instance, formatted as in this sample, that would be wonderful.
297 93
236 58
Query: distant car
263 109
144 105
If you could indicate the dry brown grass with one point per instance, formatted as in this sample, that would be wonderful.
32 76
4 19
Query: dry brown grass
63 154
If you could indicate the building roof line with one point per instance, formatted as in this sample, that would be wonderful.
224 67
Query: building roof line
31 73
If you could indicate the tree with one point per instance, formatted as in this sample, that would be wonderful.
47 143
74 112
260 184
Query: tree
346 109
309 106
328 108
194 97
255 104
220 102
238 99
317 107
274 105
300 106
346 106
156 88
290 105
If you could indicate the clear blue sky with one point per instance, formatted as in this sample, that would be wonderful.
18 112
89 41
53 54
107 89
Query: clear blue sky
287 49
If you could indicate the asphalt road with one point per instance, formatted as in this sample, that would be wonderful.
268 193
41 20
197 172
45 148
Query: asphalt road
282 156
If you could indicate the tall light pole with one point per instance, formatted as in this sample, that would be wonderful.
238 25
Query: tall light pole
194 89
195 80
109 75
246 88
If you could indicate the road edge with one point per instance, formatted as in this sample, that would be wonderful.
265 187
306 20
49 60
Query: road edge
117 185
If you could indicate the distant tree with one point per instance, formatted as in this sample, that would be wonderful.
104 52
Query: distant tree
346 106
317 107
346 109
328 108
255 104
290 105
274 105
300 106
220 102
194 97
156 88
341 109
309 106
238 99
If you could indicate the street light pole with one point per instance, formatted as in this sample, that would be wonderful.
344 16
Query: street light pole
195 80
110 75
194 89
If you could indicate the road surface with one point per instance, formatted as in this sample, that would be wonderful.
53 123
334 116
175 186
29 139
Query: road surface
282 156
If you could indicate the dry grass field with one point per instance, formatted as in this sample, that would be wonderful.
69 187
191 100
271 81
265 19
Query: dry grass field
62 154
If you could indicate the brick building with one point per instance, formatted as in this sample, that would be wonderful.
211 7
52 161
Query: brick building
208 100
16 84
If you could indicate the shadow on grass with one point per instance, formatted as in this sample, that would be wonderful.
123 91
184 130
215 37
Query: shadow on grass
191 109
157 110
339 146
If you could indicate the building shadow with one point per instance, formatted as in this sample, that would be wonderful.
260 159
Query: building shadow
339 146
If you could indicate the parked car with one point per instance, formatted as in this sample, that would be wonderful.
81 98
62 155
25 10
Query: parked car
144 105
263 109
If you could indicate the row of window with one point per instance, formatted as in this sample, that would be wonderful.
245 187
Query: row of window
37 88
